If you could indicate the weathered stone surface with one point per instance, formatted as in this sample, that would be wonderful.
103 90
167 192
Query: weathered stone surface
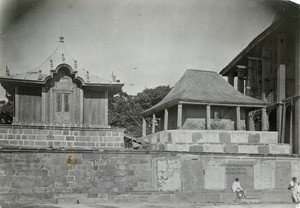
192 175
264 175
282 174
215 175
225 137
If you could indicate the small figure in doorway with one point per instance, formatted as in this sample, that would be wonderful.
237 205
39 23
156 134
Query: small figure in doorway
237 188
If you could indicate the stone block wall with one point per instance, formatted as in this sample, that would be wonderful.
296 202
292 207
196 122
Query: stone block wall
244 142
61 137
57 176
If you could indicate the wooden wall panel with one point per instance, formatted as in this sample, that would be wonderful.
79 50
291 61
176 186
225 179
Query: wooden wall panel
94 111
30 104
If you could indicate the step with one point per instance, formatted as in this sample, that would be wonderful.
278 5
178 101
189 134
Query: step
247 200
282 149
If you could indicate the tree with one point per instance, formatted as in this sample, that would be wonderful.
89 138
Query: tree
6 112
125 110
149 97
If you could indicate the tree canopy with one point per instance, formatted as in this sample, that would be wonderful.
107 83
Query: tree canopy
6 112
125 110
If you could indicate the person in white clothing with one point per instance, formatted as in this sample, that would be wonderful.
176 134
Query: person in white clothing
293 186
237 188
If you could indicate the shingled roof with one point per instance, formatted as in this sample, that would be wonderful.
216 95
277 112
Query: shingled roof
204 87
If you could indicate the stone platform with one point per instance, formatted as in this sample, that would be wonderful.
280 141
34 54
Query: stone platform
217 141
58 137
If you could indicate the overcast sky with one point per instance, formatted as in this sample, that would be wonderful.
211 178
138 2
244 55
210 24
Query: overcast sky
146 43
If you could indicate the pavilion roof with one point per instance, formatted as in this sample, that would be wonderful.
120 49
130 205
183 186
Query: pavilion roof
204 87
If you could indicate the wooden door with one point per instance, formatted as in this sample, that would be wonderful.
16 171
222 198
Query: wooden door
62 107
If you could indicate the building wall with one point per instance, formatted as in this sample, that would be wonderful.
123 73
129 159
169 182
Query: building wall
222 117
94 107
29 104
48 176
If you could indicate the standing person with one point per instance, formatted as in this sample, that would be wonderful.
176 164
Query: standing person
293 186
237 188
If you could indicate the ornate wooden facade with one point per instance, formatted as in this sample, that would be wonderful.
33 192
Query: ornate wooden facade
61 97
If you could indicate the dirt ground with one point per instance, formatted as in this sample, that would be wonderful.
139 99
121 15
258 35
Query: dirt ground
124 205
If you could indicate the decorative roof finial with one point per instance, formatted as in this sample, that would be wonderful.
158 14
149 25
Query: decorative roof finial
114 79
63 57
61 39
75 64
51 63
7 71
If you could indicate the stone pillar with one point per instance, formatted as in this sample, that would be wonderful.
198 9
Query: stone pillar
166 119
241 78
231 78
297 89
291 124
207 122
153 123
44 94
144 133
179 116
238 118
249 79
280 97
264 120
283 123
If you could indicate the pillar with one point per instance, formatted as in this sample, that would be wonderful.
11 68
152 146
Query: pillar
264 120
249 79
283 124
207 122
291 124
179 116
238 118
297 89
279 120
153 123
16 108
231 78
166 119
241 78
106 108
280 96
144 127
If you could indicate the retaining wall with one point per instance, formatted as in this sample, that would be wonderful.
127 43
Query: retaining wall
57 176
61 137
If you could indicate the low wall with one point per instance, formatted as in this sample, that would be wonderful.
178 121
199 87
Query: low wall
244 142
61 137
53 176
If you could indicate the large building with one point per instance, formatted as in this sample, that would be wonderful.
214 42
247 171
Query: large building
64 99
269 69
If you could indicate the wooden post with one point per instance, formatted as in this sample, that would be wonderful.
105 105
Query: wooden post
52 106
297 88
207 122
81 100
291 124
44 103
263 72
238 118
241 75
17 102
283 123
106 109
144 133
166 119
231 78
179 116
153 123
264 120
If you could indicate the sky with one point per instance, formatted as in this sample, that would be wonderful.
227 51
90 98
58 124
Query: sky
144 43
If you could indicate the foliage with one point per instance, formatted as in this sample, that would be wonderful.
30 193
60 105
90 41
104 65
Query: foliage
125 110
6 112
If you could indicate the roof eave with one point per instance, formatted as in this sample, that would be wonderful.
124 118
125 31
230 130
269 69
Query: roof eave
259 38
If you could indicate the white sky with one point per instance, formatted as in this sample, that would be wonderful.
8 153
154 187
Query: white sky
146 43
